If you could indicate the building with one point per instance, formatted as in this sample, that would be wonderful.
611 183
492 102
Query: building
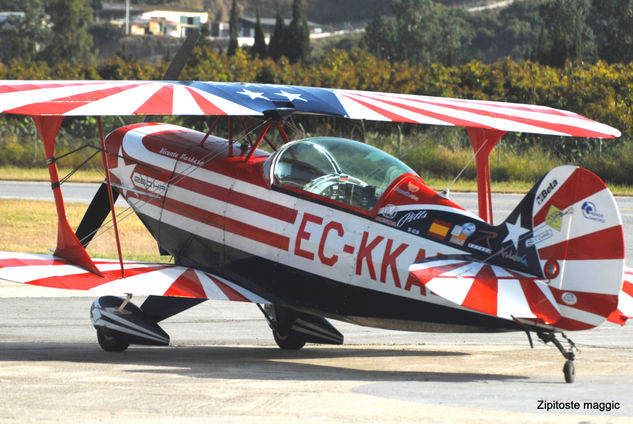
247 26
4 16
144 20
175 23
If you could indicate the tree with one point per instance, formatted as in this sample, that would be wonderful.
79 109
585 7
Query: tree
612 21
298 35
259 47
276 44
26 37
567 34
421 31
70 40
233 24
379 38
13 5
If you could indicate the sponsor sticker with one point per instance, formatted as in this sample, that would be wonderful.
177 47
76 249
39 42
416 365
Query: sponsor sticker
544 194
439 229
542 236
486 237
407 194
385 221
514 256
554 218
480 248
461 232
569 298
468 229
590 211
389 211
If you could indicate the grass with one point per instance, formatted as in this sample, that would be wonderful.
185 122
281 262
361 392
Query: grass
31 226
14 173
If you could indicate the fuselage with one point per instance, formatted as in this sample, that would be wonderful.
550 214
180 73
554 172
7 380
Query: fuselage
335 246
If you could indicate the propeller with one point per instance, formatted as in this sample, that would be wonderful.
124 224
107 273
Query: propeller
99 207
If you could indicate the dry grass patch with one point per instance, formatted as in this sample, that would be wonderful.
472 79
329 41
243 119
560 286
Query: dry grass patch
14 173
31 226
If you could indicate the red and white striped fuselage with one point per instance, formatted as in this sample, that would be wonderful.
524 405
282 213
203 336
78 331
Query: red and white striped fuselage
221 213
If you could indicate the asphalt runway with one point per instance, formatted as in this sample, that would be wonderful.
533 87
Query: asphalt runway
223 366
502 204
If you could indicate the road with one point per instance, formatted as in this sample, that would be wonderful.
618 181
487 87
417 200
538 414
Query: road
495 5
222 366
503 204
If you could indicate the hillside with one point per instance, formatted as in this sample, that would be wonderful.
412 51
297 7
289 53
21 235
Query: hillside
321 11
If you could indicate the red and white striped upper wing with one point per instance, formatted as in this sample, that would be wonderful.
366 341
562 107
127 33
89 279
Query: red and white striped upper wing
501 116
489 289
101 98
140 278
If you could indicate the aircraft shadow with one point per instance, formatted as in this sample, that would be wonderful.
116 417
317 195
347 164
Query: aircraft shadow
253 363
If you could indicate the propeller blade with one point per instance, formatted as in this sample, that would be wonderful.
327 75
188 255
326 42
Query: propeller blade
96 213
182 55
179 61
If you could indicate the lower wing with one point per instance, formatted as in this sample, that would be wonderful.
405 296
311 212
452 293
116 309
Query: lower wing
144 279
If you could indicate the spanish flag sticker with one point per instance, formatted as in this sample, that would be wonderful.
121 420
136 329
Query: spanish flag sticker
439 229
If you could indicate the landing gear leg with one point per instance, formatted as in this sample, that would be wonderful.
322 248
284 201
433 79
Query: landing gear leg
569 370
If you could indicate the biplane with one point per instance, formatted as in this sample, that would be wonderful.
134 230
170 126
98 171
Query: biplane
323 228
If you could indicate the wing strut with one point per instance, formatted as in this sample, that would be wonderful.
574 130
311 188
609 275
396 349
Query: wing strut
110 197
259 140
68 245
483 141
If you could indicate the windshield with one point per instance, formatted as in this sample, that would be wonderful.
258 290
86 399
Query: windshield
340 169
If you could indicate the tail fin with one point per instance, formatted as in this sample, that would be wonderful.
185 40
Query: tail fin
568 231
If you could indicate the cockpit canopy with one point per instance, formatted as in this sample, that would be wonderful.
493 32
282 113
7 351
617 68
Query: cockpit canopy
343 170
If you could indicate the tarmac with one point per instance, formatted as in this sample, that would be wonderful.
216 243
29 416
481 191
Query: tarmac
223 367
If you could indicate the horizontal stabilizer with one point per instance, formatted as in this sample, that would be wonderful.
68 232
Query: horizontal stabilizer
489 289
625 300
144 279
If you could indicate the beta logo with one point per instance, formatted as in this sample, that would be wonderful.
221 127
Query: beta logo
546 192
590 211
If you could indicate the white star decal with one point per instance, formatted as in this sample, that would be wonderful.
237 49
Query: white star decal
253 95
123 173
291 96
515 231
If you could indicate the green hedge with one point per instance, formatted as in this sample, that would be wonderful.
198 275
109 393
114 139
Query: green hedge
599 91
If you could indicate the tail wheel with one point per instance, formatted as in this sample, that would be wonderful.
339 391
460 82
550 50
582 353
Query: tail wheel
291 341
111 342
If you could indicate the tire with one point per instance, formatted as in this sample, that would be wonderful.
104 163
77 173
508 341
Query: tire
292 341
110 342
570 371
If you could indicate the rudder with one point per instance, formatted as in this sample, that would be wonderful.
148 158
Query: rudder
578 238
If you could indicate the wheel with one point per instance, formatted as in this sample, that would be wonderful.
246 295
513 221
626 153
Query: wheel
292 341
110 342
570 371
